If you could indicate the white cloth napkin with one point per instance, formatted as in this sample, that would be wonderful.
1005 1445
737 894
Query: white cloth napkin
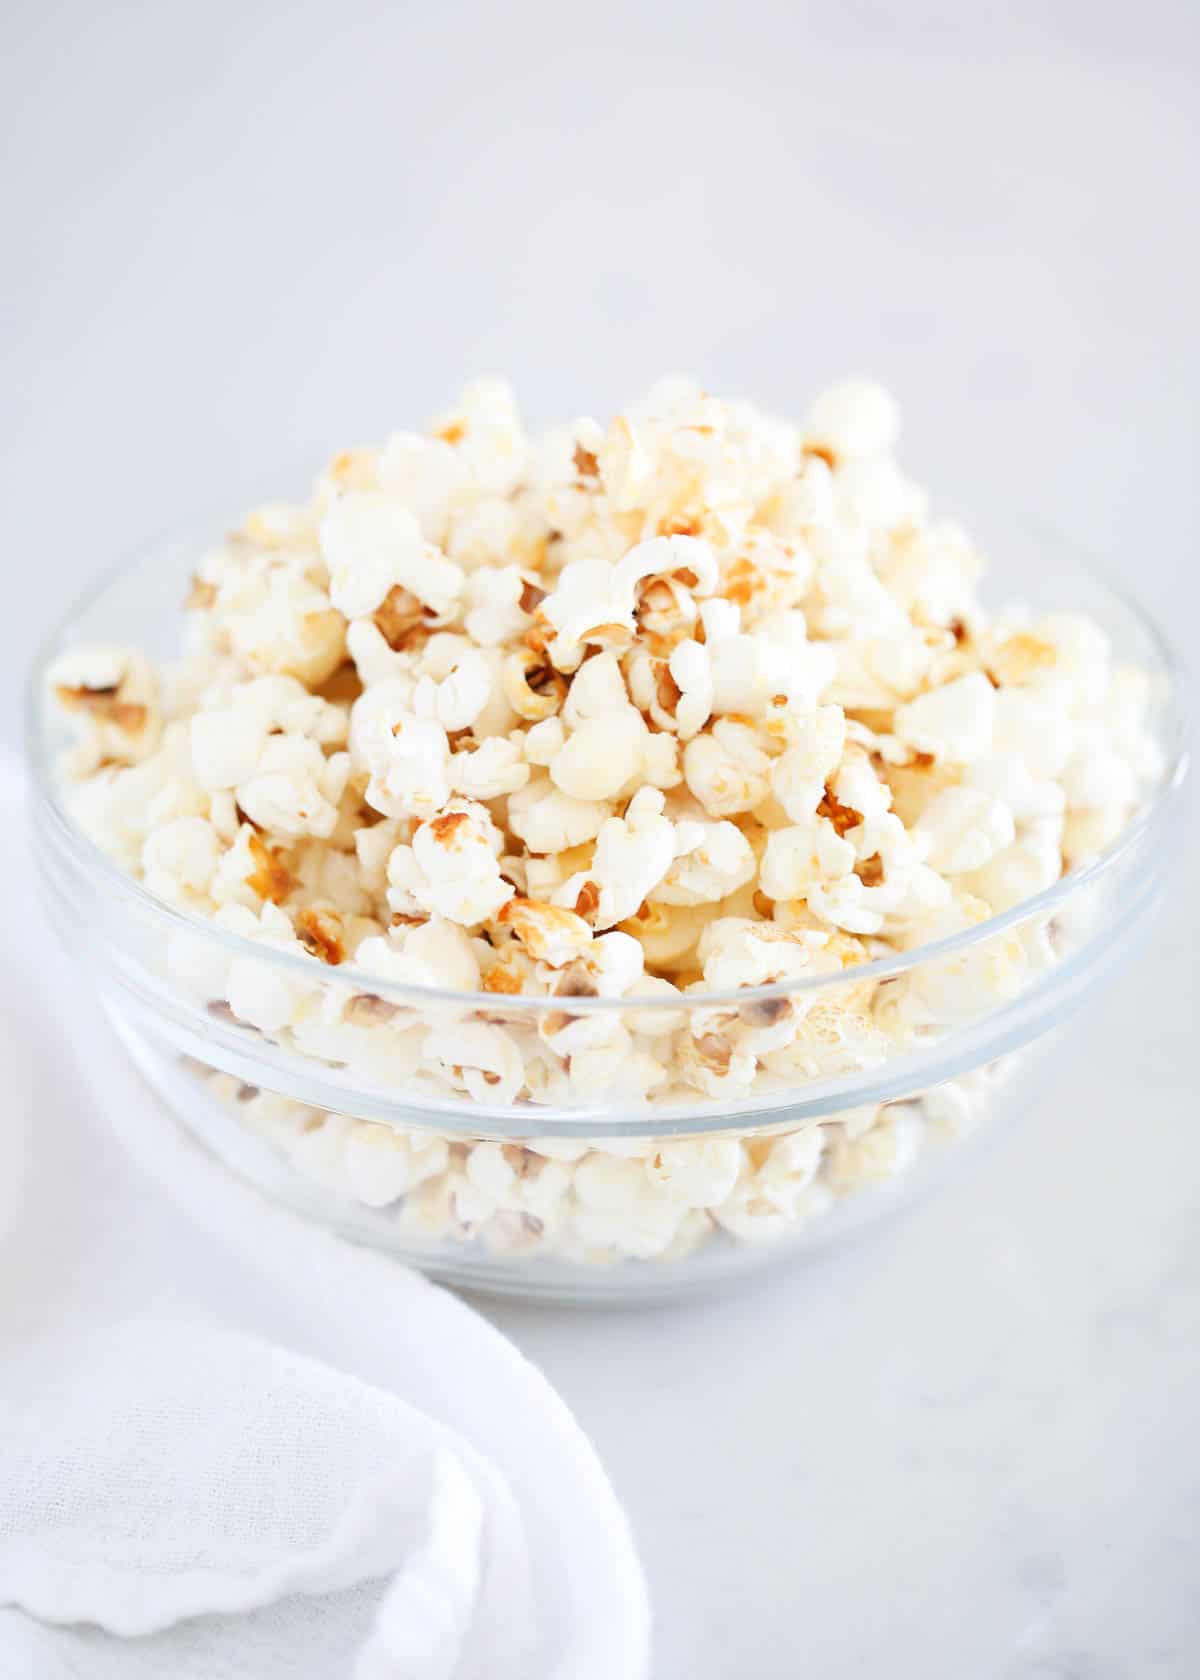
232 1444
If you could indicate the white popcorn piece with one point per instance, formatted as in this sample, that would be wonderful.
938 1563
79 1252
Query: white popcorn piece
484 427
592 603
873 494
294 789
261 993
273 728
964 829
816 743
436 953
600 757
691 672
542 742
854 419
496 611
884 1150
452 867
479 1058
700 1172
532 687
774 665
548 820
492 769
633 854
712 860
1037 734
278 620
619 1208
726 771
953 722
112 697
519 1180
428 477
370 543
382 1164
804 856
548 932
459 697
406 756
179 860
735 951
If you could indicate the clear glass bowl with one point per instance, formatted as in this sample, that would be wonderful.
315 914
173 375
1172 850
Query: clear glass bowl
336 1114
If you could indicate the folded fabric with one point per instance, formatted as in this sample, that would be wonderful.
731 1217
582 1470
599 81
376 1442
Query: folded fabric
230 1442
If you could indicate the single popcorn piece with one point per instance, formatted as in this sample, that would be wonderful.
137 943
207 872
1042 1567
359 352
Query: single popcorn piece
815 747
727 770
179 860
111 695
600 757
548 820
854 419
452 867
547 931
294 788
712 860
953 722
371 543
964 828
633 854
407 757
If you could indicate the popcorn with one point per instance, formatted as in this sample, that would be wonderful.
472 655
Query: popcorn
112 697
481 1059
726 770
407 757
600 757
816 743
547 931
633 854
257 992
712 860
805 855
496 605
428 477
435 953
619 1207
179 860
964 828
608 725
953 722
489 771
452 867
699 1172
458 697
382 1164
852 420
272 618
1034 731
370 543
294 789
548 820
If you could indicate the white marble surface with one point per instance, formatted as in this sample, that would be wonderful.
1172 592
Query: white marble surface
241 235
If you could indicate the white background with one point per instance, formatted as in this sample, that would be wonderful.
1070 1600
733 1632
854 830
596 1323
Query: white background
238 236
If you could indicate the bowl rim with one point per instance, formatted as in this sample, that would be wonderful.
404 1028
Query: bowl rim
106 875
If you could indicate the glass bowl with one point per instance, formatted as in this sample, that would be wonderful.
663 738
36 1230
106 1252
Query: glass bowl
315 1082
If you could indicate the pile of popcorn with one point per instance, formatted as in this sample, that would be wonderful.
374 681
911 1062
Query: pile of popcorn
698 701
594 1202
